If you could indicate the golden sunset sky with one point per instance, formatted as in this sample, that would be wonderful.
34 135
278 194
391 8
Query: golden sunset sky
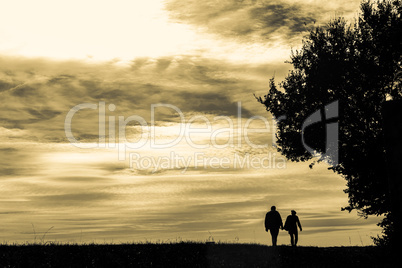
201 165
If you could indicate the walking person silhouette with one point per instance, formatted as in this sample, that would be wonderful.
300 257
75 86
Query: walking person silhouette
273 221
291 223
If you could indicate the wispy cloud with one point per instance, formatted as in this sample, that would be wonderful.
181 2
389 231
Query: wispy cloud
267 21
210 56
37 94
194 206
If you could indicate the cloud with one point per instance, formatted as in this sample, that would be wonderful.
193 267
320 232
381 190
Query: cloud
15 160
37 94
72 190
257 20
89 193
71 199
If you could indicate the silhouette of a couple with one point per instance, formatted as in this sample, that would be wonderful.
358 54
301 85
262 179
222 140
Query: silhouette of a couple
273 221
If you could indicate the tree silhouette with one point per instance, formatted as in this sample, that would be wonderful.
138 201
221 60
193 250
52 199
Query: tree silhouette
358 65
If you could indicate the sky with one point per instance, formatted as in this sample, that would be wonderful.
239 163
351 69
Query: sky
129 121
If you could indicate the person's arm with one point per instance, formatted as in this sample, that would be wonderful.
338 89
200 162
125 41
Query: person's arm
298 223
266 222
286 227
280 220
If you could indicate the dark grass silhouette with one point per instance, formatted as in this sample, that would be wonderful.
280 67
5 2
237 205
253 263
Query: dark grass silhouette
190 254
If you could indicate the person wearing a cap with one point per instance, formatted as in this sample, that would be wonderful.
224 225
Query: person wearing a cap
291 223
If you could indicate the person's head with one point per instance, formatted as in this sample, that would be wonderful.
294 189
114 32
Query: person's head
273 208
293 212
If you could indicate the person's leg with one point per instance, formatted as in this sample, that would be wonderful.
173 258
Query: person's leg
296 237
291 239
274 234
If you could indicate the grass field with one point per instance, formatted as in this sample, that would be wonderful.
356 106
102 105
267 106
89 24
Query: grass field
188 254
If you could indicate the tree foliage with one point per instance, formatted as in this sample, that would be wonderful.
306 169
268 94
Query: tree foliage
359 65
